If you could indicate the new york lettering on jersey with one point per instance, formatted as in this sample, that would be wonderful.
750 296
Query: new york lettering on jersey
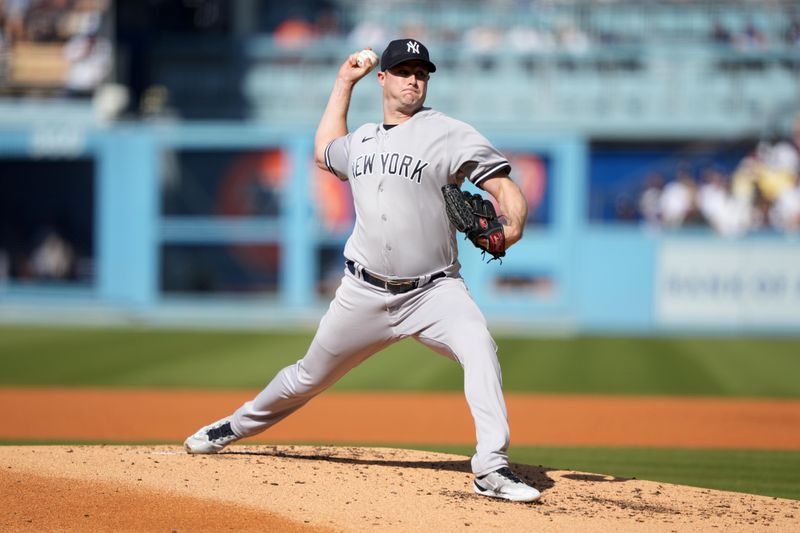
438 141
388 163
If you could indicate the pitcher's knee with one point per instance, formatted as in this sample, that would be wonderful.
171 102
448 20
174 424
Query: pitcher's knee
298 382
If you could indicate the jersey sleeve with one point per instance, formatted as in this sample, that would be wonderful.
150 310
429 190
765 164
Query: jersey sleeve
474 156
337 155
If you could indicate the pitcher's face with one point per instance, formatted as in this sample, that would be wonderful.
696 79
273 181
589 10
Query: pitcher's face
405 86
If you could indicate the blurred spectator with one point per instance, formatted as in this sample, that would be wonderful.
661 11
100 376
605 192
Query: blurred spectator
84 18
326 24
760 212
724 213
769 171
16 12
650 201
154 102
720 34
483 39
572 39
109 101
3 54
55 46
293 33
415 29
785 212
751 38
53 258
677 200
5 266
712 195
524 38
369 34
43 20
449 35
625 208
90 60
792 35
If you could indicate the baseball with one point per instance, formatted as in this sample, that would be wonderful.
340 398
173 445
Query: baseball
367 57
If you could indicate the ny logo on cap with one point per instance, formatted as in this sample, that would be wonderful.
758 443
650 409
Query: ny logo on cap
411 46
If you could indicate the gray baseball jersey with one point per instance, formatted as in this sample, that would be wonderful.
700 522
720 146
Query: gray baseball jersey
401 231
396 177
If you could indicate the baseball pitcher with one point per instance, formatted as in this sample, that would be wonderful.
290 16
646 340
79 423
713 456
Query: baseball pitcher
401 271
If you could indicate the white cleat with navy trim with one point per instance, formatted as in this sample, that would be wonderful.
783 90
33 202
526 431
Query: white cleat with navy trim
504 484
211 438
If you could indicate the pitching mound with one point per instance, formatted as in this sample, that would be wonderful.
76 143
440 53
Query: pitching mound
293 488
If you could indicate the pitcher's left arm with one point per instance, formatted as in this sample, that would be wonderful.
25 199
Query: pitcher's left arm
513 205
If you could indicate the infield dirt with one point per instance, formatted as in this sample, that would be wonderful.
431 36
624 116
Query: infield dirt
293 488
296 488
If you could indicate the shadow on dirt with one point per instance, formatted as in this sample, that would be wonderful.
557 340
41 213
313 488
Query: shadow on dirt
533 475
595 478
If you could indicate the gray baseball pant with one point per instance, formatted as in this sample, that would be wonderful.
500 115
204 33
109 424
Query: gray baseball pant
363 319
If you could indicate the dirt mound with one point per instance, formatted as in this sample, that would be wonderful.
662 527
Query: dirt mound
294 488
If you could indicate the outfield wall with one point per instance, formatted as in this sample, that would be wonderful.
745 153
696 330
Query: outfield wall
172 244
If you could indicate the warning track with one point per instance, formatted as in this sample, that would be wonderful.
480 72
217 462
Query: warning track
114 415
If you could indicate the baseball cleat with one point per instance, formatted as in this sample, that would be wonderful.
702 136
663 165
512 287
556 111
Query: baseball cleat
504 484
212 438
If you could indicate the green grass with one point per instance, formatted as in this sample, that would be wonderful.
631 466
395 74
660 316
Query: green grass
130 357
768 473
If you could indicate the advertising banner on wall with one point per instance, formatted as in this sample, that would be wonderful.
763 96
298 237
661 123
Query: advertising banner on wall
741 284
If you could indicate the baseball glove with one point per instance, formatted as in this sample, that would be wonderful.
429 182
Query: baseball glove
476 217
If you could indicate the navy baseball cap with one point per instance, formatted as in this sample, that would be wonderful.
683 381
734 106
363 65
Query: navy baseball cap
402 50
